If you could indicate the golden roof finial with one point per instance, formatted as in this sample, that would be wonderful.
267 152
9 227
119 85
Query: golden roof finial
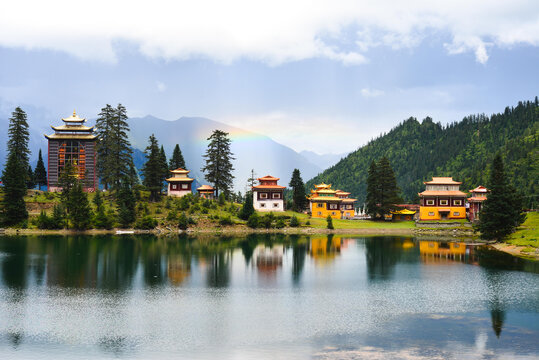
74 113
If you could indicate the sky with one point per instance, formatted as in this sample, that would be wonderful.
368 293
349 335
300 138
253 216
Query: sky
325 76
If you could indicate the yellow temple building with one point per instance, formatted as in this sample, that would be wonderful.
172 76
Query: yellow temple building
442 200
325 201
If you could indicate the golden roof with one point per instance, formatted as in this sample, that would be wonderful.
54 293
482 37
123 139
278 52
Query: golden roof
71 136
74 118
442 181
325 198
403 212
72 128
326 191
205 188
323 186
180 171
179 179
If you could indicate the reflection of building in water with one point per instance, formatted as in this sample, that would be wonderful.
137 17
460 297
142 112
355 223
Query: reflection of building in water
408 244
178 269
325 248
442 251
268 260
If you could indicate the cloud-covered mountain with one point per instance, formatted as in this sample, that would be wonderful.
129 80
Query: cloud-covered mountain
251 150
324 161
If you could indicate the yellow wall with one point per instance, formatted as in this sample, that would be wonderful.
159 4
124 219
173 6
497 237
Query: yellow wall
433 248
424 212
335 214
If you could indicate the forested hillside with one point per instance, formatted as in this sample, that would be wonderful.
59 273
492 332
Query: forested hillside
419 150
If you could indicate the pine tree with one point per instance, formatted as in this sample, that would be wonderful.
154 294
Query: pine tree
19 135
389 191
101 220
164 166
247 209
251 181
329 221
115 161
176 161
80 213
126 204
373 192
218 168
13 205
40 173
501 213
299 199
30 178
153 169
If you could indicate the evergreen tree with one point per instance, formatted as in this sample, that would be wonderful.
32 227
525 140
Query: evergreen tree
40 173
58 217
299 199
115 161
389 191
501 213
330 222
153 169
30 178
247 209
15 173
79 208
252 180
126 204
19 135
218 168
176 161
164 166
13 205
373 192
101 219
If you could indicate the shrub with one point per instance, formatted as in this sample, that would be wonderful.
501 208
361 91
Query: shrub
172 215
253 221
204 211
294 222
43 221
308 222
330 222
267 220
225 221
222 199
146 223
279 224
183 222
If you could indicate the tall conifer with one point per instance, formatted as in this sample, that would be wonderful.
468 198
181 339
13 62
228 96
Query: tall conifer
373 191
153 169
501 213
299 199
40 173
19 135
164 166
219 158
177 160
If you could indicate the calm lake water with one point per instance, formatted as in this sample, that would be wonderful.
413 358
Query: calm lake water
263 297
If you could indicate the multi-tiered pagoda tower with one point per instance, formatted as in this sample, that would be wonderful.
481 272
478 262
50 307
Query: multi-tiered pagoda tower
72 144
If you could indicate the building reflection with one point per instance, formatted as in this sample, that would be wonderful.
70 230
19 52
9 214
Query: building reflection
324 249
435 252
268 260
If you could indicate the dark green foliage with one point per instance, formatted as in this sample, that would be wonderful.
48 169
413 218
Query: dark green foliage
19 135
266 221
30 178
226 221
294 222
98 199
58 217
218 168
79 211
502 211
279 224
299 199
101 220
253 221
126 204
56 221
247 209
43 221
382 190
183 222
172 215
153 169
13 178
40 174
222 199
252 180
146 223
115 161
330 222
418 151
164 166
177 160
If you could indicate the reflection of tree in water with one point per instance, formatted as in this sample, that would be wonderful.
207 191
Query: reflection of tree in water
496 307
154 261
299 253
382 254
218 270
15 338
14 265
248 247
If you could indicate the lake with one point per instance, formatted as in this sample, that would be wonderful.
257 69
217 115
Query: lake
263 297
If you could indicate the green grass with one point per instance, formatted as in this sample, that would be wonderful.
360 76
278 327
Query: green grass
462 221
528 233
319 223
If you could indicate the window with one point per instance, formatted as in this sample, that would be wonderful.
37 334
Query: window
333 213
319 205
275 205
457 202
444 202
430 202
319 213
431 214
276 195
456 213
72 152
185 186
333 206
263 195
262 205
173 186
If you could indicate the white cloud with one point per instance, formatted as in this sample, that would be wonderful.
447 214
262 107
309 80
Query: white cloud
273 32
366 92
161 87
